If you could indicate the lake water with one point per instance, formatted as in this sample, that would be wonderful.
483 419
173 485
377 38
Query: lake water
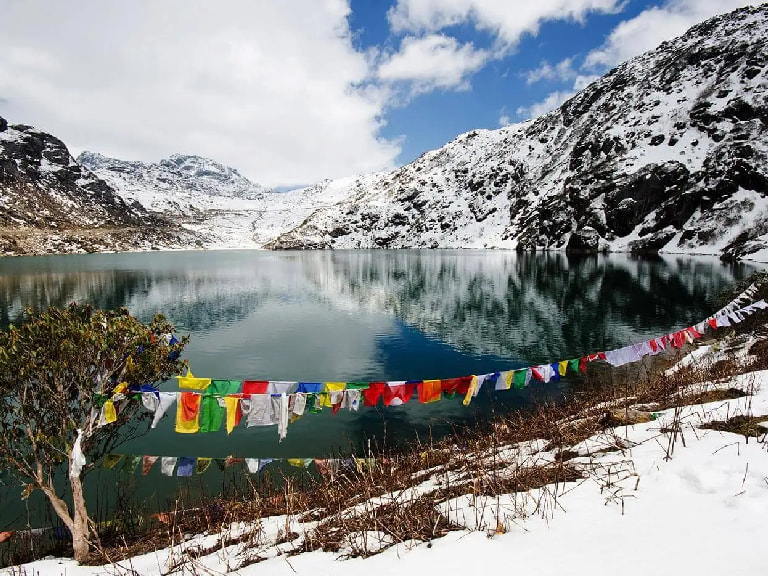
363 316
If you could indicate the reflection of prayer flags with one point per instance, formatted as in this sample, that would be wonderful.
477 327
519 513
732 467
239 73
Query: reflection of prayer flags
190 382
110 413
252 464
186 466
230 460
147 463
167 464
110 460
130 464
202 465
300 462
364 464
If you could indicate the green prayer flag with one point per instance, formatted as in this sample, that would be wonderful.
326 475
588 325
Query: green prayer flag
130 464
211 414
223 387
111 460
313 403
211 411
518 380
358 385
574 365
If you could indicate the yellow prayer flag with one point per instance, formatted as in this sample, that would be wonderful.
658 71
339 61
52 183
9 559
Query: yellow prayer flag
190 382
471 391
110 414
325 398
231 404
562 367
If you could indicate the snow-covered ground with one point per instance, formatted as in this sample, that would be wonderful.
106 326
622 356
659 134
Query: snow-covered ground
651 502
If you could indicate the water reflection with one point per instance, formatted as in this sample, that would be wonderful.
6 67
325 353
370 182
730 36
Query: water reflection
378 315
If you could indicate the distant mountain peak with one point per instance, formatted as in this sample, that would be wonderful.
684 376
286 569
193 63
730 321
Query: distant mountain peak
187 173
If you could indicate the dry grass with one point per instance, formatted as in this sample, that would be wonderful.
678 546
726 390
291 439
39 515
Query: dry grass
747 426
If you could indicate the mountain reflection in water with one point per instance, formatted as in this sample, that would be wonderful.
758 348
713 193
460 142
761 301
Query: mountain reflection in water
371 315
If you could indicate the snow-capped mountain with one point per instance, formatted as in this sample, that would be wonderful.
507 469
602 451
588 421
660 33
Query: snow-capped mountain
49 203
177 177
669 151
223 208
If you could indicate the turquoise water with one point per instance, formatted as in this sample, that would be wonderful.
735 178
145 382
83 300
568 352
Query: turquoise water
363 316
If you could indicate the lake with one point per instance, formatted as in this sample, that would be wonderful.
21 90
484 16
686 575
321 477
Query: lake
362 316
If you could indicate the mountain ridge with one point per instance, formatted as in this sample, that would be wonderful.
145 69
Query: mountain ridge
51 204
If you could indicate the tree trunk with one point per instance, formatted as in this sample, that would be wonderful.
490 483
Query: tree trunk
80 542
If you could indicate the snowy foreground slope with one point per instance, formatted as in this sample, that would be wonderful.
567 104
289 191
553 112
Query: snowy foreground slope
668 152
647 504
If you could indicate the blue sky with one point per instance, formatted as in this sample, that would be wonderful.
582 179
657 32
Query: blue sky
291 93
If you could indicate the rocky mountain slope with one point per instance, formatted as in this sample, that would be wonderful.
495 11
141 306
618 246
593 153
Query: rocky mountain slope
49 203
668 151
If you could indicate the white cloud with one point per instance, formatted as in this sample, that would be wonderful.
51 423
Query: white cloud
552 101
504 119
655 25
562 71
504 19
433 61
274 89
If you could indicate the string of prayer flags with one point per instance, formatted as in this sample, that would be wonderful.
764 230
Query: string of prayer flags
280 403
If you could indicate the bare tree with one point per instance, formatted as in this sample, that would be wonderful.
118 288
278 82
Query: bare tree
67 378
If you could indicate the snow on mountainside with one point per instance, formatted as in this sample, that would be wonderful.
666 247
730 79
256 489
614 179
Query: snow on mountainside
49 203
188 177
223 208
669 151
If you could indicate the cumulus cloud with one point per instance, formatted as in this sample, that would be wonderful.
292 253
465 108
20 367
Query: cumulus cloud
507 23
562 71
552 101
433 61
655 25
274 89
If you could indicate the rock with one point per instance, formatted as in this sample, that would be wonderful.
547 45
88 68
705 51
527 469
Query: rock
584 241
